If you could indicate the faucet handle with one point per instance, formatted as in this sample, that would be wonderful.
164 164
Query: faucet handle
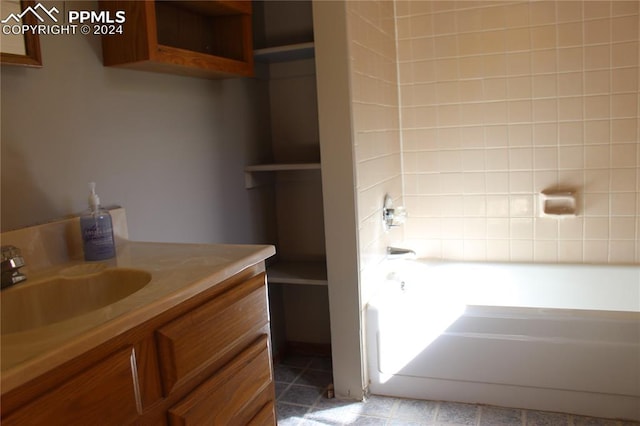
9 251
11 261
392 216
11 258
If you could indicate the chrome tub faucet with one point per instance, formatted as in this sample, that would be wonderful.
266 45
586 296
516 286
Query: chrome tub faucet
12 261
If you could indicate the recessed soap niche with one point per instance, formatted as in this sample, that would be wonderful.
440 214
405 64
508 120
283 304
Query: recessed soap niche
558 203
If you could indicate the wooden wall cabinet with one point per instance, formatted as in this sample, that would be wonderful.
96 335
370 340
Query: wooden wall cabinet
206 361
211 39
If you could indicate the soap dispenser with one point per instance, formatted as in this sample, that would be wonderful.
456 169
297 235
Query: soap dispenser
97 230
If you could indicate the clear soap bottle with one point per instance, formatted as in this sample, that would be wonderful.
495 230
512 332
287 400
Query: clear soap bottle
96 229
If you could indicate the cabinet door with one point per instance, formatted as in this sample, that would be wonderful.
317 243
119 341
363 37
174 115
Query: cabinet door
234 395
106 393
195 341
265 417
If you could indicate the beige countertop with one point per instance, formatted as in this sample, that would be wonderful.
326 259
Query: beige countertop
178 272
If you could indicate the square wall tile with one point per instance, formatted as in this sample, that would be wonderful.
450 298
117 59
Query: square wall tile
625 7
521 250
545 251
503 100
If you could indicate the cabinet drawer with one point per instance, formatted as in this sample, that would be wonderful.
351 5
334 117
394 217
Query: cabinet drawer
211 332
105 393
234 395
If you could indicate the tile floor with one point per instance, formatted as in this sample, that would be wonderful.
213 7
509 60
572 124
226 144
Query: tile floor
301 389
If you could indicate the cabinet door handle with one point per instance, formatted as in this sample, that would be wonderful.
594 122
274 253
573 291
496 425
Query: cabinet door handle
136 380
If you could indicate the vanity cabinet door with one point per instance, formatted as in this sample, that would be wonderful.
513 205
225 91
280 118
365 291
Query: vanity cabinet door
234 395
265 417
212 333
105 393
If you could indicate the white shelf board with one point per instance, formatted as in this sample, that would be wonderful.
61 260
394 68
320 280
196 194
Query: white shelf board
304 273
251 180
282 167
291 52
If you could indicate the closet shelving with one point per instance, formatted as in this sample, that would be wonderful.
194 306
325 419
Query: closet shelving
289 52
286 271
298 272
258 174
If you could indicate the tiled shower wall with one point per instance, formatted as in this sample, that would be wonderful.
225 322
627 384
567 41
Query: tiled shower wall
499 101
376 126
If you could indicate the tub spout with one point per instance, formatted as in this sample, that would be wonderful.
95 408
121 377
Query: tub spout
400 253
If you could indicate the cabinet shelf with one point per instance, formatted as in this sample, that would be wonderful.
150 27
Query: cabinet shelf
251 180
275 167
290 52
301 273
213 8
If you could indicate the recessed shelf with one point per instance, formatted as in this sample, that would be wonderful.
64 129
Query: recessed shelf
301 273
251 180
291 52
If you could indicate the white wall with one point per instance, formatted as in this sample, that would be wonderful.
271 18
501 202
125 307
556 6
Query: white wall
338 192
169 149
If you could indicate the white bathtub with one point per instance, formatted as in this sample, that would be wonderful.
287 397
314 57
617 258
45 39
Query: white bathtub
547 337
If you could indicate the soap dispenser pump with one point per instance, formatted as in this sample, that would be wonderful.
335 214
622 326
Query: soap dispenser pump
96 228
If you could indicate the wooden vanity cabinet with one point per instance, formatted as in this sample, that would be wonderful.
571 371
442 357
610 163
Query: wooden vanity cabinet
211 39
89 396
205 361
200 338
233 396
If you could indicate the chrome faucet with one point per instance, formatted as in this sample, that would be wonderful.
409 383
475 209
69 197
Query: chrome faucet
392 216
400 253
12 261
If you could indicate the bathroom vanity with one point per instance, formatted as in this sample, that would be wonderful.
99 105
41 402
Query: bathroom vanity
190 347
